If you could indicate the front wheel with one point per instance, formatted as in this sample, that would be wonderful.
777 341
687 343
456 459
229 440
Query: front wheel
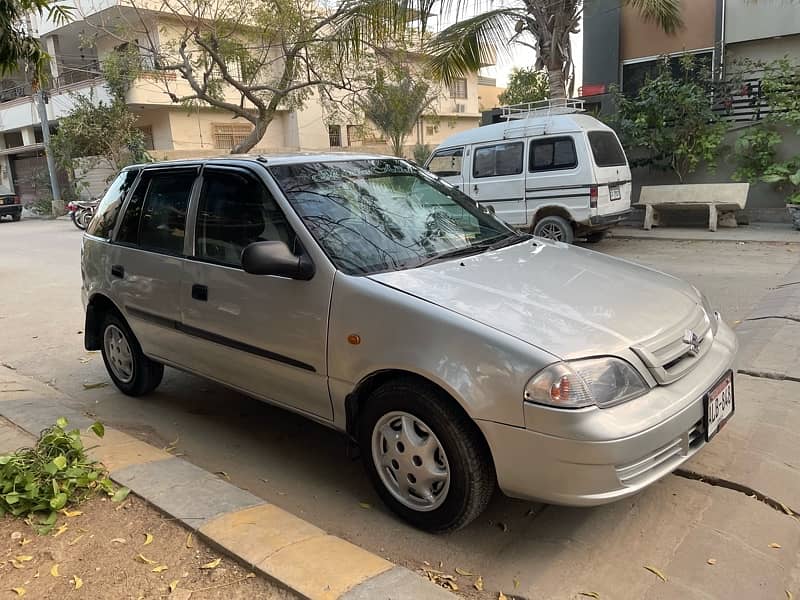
130 370
555 228
82 219
426 459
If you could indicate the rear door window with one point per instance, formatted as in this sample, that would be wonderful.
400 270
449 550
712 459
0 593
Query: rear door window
498 160
606 149
102 225
552 154
155 218
446 163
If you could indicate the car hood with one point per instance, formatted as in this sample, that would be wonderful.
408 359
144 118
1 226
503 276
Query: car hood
563 299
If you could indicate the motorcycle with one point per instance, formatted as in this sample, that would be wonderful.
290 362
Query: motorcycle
81 212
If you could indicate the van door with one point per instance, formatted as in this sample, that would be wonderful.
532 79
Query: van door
497 179
447 163
559 174
611 173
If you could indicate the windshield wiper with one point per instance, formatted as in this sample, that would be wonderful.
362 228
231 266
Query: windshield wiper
492 243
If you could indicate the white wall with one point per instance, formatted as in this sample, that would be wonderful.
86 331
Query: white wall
751 20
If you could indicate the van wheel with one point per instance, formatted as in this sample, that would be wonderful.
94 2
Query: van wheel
555 228
130 370
596 236
425 458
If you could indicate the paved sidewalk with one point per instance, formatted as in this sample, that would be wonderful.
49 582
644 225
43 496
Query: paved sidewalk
757 232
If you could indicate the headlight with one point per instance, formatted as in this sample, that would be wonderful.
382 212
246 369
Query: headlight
598 382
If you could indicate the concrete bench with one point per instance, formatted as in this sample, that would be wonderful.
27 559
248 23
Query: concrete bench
722 200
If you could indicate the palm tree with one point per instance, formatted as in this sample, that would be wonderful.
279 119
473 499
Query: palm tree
543 25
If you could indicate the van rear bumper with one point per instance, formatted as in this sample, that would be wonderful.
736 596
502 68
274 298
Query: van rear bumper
603 221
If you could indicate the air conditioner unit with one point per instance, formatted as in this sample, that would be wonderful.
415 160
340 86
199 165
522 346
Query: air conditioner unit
461 108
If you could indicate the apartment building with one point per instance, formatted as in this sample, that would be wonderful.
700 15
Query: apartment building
173 131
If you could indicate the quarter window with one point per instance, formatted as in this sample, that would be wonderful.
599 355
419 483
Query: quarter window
447 163
501 159
606 149
103 223
552 154
234 211
156 215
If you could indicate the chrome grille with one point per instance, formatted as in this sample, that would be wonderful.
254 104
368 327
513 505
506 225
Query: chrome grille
667 454
667 356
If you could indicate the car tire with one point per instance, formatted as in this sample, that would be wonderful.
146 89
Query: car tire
554 228
596 236
130 370
16 217
450 446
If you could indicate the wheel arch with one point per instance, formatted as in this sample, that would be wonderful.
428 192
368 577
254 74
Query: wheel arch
98 305
551 210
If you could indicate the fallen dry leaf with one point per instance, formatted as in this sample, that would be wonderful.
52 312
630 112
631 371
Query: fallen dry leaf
172 585
590 594
212 565
365 505
75 541
24 542
774 545
159 569
148 539
61 530
478 583
501 596
189 540
54 570
94 386
223 474
789 595
20 591
464 572
72 513
516 582
656 572
145 560
118 541
23 558
77 582
712 561
16 564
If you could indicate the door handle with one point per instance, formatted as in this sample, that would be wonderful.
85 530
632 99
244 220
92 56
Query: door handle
475 188
200 292
117 271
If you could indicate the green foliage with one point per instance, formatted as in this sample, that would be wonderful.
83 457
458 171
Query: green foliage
756 152
120 69
525 85
395 105
670 124
37 482
421 153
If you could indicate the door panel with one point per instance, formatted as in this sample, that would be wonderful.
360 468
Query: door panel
558 174
264 335
497 179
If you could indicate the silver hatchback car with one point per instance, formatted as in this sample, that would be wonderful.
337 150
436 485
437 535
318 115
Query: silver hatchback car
368 295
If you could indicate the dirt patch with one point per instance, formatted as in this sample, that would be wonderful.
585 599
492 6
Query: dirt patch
105 548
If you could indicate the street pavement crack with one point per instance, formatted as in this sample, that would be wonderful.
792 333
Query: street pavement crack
788 318
783 285
738 487
768 375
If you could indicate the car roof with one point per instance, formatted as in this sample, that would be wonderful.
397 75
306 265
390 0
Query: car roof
523 128
266 160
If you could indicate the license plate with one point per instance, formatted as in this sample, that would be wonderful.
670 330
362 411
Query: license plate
718 405
615 192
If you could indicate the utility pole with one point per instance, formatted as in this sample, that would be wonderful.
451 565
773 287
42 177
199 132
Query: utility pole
41 102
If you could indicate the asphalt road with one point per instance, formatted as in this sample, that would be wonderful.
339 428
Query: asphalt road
303 467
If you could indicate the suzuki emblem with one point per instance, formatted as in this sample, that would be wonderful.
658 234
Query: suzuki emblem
693 340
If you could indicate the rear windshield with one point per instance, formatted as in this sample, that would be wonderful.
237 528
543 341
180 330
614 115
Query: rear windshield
606 149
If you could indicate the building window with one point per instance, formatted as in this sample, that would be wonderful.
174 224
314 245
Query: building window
355 135
227 136
147 135
431 130
637 72
458 89
335 135
13 139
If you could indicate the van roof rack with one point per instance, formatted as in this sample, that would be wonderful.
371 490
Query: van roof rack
542 108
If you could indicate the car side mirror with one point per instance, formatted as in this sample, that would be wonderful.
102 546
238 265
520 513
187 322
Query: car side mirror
275 258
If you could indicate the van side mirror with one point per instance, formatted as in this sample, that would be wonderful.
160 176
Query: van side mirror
275 258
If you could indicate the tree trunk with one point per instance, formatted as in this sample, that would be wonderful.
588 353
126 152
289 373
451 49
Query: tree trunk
555 76
255 136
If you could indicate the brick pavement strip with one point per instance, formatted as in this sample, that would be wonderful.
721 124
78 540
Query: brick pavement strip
275 543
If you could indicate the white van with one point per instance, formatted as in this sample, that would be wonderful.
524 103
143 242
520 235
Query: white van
552 170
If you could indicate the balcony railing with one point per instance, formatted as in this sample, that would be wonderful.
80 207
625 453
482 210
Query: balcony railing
66 77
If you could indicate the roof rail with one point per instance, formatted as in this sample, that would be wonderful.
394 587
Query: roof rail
542 108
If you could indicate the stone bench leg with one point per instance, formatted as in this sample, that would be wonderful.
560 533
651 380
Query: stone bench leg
650 217
712 217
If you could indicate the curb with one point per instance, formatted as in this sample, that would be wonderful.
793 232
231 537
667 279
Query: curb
274 543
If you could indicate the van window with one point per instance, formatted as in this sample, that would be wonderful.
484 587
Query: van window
156 215
606 149
446 163
103 223
501 159
552 154
235 211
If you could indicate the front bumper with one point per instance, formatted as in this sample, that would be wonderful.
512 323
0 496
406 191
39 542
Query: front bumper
594 456
10 209
602 221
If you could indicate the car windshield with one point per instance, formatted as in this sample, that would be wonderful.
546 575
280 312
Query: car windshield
384 214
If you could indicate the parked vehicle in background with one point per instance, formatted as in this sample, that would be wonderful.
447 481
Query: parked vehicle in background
10 206
365 294
548 169
81 212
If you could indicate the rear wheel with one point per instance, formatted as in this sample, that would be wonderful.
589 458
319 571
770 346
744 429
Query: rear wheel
554 228
425 457
16 216
132 372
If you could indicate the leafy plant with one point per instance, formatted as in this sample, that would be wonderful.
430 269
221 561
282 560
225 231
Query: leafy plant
670 123
38 482
525 85
421 153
